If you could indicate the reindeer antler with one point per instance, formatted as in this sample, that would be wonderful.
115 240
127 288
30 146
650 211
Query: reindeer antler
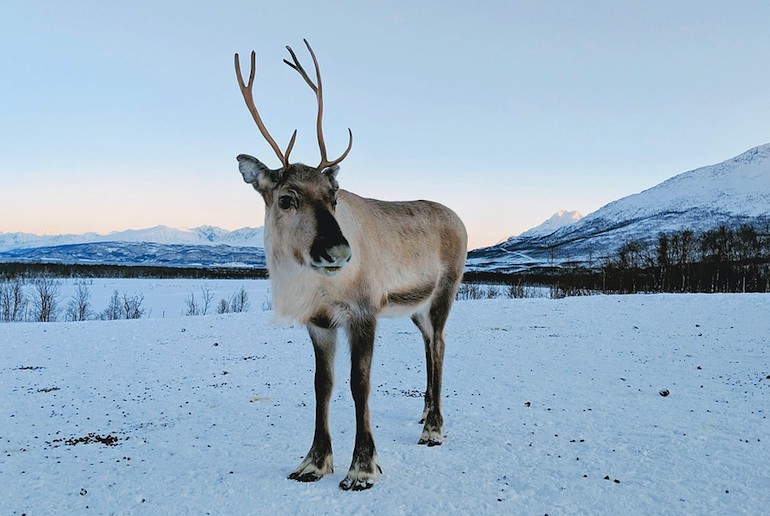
248 97
318 89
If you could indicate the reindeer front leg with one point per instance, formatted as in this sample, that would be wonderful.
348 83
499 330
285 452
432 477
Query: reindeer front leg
364 469
318 461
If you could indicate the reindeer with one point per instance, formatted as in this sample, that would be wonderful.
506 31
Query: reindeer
337 260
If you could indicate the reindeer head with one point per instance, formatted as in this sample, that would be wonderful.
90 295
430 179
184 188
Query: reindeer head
300 201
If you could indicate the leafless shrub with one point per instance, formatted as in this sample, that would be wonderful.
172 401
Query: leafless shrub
223 307
192 305
132 306
238 302
557 292
45 299
13 302
79 306
124 307
469 291
516 291
207 297
113 310
267 303
195 307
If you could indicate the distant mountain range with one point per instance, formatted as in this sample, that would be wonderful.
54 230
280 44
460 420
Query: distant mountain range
203 235
205 246
734 192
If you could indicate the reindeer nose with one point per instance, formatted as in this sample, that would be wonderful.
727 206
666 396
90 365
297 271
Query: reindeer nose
330 250
332 260
339 254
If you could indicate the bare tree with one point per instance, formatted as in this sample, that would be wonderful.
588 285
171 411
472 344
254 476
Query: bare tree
132 306
207 297
223 307
45 299
194 307
13 302
113 310
516 291
79 307
469 291
239 302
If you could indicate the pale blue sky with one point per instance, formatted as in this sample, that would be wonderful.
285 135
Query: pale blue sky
126 114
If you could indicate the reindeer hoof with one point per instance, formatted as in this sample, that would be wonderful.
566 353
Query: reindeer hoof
431 437
358 480
348 484
431 441
306 477
313 468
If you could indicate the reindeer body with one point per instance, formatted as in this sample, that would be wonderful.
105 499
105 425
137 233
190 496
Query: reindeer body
338 260
386 274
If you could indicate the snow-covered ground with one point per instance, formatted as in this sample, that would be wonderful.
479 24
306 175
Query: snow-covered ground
551 407
163 297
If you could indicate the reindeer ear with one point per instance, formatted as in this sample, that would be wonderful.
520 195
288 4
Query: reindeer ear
331 174
257 173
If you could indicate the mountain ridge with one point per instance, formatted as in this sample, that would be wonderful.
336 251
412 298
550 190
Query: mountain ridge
160 234
733 192
558 220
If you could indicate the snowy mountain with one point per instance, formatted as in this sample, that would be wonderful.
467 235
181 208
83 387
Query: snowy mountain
203 235
204 246
733 192
558 220
141 253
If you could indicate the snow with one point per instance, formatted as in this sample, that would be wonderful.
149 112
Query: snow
202 235
739 186
543 400
559 219
164 297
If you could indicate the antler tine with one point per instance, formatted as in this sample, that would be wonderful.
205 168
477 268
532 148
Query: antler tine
344 155
317 88
248 97
298 67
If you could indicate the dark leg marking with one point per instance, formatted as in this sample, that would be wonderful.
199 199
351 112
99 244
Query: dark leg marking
423 323
364 470
318 461
433 335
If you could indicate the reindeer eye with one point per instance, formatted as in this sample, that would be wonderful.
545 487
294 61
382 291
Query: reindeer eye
285 202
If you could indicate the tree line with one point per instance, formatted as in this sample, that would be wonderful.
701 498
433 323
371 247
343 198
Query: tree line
725 259
721 260
74 270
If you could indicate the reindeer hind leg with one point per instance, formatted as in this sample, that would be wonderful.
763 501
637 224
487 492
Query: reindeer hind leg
431 325
422 321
